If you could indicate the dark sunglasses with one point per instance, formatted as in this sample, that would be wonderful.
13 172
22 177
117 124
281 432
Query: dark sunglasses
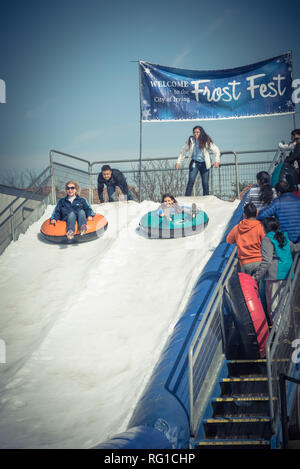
70 187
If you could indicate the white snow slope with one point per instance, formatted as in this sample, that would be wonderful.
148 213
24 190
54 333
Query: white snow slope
82 326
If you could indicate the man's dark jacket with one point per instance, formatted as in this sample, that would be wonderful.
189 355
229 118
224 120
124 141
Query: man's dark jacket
295 156
117 179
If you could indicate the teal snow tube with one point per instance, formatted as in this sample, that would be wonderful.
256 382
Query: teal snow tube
182 224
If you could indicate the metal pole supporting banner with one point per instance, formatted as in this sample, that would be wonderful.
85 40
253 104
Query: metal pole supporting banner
140 163
141 135
53 191
91 192
294 113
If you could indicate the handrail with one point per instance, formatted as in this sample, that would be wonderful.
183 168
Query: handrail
90 164
10 227
153 170
25 192
62 165
70 156
31 195
203 331
213 297
284 417
210 314
282 315
277 158
225 152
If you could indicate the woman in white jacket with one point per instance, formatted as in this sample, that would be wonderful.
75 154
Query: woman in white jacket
198 147
295 138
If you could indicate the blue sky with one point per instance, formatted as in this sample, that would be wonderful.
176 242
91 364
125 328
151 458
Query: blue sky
72 80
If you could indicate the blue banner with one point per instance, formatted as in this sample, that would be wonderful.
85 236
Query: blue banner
173 94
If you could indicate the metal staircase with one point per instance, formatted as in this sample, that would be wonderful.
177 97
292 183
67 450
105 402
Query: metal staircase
237 403
237 414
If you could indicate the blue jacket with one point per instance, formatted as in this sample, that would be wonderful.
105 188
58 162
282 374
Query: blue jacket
284 256
286 209
64 207
276 262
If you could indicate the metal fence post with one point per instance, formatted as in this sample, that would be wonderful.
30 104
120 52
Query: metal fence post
12 227
284 416
237 174
53 191
91 192
211 181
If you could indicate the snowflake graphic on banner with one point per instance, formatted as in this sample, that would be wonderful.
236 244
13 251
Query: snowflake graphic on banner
289 104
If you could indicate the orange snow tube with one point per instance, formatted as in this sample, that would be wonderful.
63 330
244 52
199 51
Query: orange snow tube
57 233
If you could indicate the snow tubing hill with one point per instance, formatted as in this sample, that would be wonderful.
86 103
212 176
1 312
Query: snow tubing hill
57 233
248 315
181 225
161 416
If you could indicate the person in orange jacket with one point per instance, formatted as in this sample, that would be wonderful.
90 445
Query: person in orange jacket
248 235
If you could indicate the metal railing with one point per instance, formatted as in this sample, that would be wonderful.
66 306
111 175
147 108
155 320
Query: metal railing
24 209
206 355
58 179
283 403
206 352
285 329
159 174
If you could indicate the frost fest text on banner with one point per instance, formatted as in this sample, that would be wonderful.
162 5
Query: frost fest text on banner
260 89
